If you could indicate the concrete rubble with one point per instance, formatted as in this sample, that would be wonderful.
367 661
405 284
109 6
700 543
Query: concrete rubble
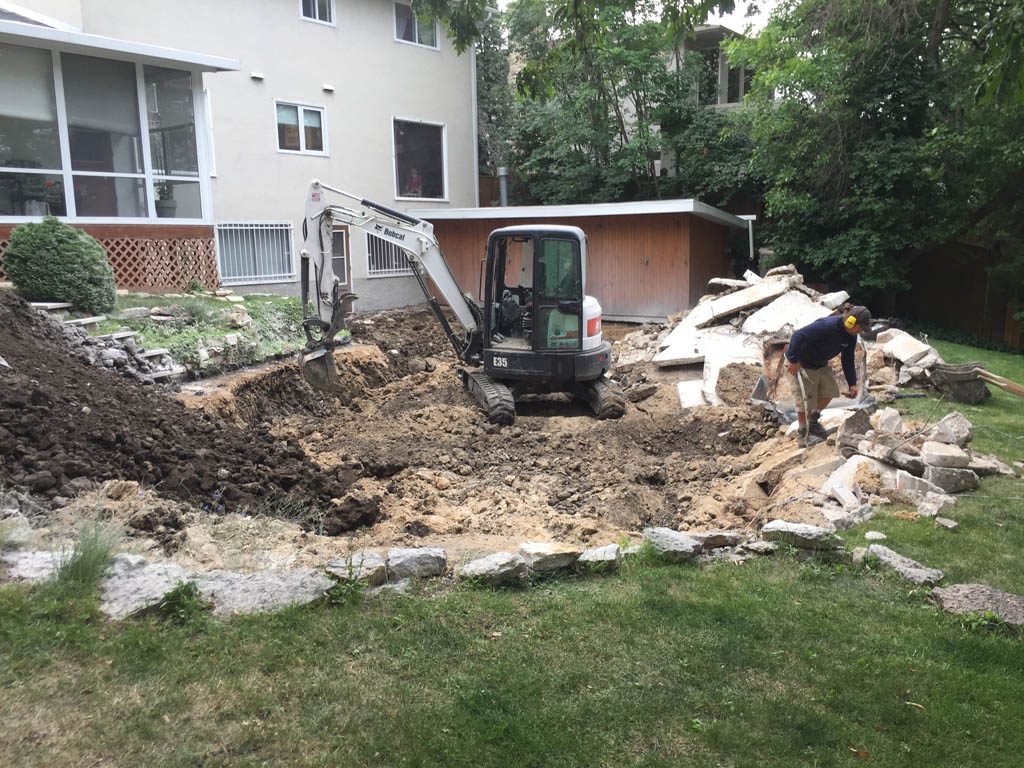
911 570
979 599
749 321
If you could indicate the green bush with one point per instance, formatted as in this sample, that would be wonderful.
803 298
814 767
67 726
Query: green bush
52 261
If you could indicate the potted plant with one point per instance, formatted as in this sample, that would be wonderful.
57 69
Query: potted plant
166 205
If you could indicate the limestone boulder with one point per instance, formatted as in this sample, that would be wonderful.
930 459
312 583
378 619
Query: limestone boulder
948 455
911 570
234 593
951 480
672 545
366 567
416 563
544 556
801 535
495 569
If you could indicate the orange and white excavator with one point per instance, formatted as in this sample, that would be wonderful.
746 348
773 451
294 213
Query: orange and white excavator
536 332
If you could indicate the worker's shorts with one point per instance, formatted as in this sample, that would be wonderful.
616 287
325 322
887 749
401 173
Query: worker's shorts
819 384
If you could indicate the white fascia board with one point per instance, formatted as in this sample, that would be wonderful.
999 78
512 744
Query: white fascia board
79 42
695 207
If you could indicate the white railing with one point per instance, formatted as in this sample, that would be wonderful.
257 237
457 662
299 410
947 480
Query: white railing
385 259
255 252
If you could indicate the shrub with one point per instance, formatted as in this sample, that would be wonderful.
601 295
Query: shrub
51 261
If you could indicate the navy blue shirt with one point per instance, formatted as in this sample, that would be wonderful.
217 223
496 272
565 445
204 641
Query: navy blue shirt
814 345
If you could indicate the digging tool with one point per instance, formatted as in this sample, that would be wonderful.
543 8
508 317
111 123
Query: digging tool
1003 383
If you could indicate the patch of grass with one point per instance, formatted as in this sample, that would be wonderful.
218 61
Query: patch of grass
184 605
80 573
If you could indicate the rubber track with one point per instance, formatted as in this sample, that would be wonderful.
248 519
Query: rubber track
605 398
495 398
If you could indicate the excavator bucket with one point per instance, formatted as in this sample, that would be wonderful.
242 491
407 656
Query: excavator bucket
319 372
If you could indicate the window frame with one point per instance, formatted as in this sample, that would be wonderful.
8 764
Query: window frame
149 178
371 274
446 197
416 21
302 106
332 5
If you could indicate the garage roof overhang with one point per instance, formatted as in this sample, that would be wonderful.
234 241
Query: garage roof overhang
19 33
694 207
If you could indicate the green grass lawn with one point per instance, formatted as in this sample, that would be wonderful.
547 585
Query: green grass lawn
778 662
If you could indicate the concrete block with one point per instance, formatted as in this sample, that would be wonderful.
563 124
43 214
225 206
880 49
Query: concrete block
857 467
951 480
727 306
835 300
691 393
887 420
906 348
908 483
953 428
800 535
944 455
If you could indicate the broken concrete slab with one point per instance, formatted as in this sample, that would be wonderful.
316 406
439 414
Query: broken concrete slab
31 565
908 483
730 304
760 547
952 480
691 393
416 562
237 593
607 556
842 518
981 599
944 455
835 300
499 568
132 584
888 421
870 474
672 545
905 348
738 348
875 536
359 566
933 503
690 345
752 277
791 310
722 284
801 535
911 570
903 459
784 269
983 464
548 556
953 428
945 522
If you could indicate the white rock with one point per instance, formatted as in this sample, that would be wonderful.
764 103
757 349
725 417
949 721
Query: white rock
548 556
716 539
760 547
737 348
875 536
752 277
911 570
944 455
499 568
15 530
234 593
951 480
983 464
691 393
945 522
847 474
359 566
416 562
672 545
726 306
131 584
850 498
933 503
844 518
800 535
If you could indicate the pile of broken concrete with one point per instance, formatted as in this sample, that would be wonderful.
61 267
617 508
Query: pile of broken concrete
738 324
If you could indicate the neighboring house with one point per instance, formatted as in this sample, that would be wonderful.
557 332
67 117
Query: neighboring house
719 86
360 94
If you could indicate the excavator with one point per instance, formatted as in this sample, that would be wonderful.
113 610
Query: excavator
537 332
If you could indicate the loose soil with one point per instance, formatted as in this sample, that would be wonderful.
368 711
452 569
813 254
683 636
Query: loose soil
405 458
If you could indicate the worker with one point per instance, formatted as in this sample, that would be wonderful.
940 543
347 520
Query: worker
808 354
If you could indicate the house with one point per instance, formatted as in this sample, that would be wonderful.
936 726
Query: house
720 85
361 94
645 260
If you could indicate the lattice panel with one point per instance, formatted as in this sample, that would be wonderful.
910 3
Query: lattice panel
152 264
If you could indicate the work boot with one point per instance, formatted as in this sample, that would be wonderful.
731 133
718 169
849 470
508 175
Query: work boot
815 429
809 440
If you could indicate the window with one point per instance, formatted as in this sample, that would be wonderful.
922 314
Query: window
255 252
173 151
31 182
410 29
419 160
105 136
385 259
318 10
300 128
339 255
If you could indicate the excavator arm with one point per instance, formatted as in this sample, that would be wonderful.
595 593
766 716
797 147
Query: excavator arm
325 303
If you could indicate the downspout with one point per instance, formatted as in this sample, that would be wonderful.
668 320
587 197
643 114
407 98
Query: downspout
503 185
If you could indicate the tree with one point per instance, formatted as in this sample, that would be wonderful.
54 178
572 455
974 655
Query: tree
494 96
870 141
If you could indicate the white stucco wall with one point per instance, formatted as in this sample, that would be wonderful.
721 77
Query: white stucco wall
66 11
375 79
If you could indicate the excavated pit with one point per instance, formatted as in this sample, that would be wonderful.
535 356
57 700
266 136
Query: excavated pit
405 458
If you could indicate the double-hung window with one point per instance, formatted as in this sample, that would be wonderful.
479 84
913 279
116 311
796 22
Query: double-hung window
300 128
410 29
318 10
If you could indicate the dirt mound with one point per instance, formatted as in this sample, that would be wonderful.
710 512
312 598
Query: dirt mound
65 424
